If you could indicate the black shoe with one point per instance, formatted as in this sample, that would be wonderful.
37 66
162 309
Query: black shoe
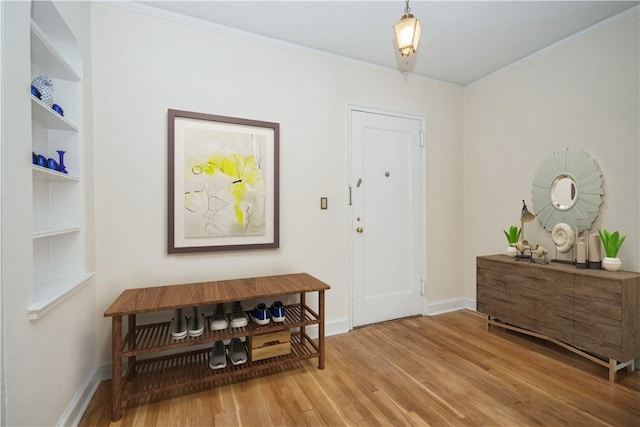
178 325
196 324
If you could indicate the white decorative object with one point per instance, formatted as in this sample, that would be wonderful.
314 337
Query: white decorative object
581 252
611 264
594 248
539 251
44 84
522 246
512 252
563 237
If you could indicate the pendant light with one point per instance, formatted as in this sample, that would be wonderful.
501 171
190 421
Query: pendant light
408 32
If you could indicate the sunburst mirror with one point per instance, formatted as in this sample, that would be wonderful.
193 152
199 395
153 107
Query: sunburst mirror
567 188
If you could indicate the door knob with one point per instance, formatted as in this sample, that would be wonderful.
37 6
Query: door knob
359 229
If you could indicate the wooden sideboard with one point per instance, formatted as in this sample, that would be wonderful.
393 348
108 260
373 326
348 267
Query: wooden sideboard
594 313
187 365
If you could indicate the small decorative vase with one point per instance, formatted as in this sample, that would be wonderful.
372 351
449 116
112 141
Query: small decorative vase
52 164
512 252
57 109
44 85
611 264
35 92
61 167
42 161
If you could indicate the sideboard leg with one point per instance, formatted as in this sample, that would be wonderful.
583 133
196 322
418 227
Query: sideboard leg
116 373
612 370
321 329
488 324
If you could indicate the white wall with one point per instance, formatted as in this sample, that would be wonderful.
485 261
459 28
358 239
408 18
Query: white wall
45 362
2 388
583 94
144 64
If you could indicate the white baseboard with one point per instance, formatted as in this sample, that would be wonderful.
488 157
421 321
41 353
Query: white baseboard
337 327
447 306
80 401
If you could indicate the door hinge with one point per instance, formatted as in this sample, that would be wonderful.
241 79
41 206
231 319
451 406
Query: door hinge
349 195
423 287
421 138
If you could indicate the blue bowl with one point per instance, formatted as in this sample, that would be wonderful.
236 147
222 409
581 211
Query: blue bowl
57 109
35 92
34 158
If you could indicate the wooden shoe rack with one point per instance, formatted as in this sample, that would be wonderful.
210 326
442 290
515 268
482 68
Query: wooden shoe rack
156 373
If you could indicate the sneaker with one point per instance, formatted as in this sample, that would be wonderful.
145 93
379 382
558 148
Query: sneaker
218 359
238 318
260 314
178 325
219 321
277 311
196 324
237 352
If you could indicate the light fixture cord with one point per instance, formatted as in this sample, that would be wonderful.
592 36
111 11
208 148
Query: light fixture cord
407 9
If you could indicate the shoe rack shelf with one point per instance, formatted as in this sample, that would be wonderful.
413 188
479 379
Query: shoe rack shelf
191 369
156 337
159 373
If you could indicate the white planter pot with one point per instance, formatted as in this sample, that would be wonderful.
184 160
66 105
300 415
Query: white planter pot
611 264
512 252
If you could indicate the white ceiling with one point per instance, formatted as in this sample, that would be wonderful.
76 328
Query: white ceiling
462 41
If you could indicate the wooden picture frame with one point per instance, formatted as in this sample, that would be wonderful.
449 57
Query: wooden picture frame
223 183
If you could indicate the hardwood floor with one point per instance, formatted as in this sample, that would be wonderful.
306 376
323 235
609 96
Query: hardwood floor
442 370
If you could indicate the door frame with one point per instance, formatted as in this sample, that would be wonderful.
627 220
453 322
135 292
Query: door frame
423 196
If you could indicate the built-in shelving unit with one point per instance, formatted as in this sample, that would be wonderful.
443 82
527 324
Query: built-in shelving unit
59 242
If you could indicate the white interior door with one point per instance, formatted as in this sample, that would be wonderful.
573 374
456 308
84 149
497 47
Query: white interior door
387 182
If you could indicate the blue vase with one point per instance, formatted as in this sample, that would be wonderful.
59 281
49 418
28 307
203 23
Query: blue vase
61 167
57 109
35 92
52 164
42 161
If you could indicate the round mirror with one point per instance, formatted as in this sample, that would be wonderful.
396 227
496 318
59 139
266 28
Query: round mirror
567 188
563 192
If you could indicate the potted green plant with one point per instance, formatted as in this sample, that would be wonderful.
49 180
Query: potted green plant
512 237
611 243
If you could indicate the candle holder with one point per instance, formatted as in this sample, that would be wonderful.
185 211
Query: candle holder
595 254
582 244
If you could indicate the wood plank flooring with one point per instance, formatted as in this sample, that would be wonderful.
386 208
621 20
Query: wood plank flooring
444 370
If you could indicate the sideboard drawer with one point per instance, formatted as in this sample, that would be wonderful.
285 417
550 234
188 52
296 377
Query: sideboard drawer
599 338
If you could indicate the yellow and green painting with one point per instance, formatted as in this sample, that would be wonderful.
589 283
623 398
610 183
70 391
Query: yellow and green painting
225 189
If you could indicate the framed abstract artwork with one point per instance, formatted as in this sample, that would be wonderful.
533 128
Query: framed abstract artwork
223 183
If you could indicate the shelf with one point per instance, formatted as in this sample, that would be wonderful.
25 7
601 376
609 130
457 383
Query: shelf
174 372
44 52
39 234
46 174
157 337
51 293
48 118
